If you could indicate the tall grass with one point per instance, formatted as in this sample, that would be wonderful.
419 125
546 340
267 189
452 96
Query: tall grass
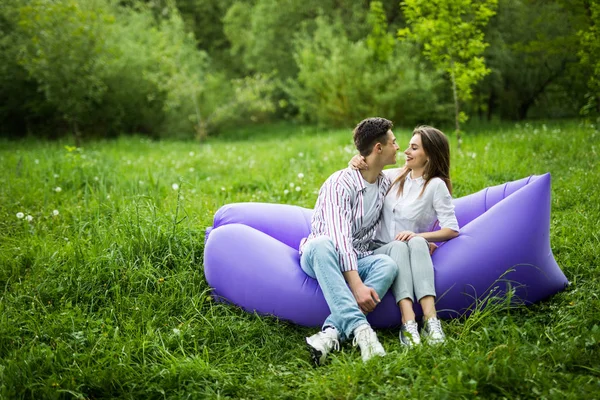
105 297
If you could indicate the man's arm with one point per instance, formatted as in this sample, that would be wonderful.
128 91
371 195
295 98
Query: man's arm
337 210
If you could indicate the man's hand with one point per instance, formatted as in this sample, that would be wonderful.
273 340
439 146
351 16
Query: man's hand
366 297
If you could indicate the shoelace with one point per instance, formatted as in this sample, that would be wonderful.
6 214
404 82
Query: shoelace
332 342
413 329
435 326
363 337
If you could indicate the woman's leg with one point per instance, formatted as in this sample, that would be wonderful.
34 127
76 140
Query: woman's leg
423 276
402 288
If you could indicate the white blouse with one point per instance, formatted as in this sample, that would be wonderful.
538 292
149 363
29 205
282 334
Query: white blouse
409 212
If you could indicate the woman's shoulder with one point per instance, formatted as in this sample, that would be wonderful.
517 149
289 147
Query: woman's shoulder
438 184
393 173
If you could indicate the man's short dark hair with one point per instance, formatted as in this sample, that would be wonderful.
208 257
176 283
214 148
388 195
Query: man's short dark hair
369 132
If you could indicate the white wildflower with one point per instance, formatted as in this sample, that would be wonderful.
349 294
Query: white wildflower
20 215
286 192
57 189
175 186
300 175
29 218
298 188
191 154
55 213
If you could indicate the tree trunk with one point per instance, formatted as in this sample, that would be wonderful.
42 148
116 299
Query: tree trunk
456 106
76 134
491 105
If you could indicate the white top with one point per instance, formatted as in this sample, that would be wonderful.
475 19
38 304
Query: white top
370 203
410 212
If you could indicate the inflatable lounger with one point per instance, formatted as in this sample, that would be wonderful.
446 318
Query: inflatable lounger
251 256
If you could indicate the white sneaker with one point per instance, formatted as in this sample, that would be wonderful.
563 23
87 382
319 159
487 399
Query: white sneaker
321 343
409 334
432 331
367 340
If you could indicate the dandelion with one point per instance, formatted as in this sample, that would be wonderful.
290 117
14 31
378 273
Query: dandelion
191 154
191 169
108 197
175 186
292 184
176 331
96 178
286 192
29 218
300 175
298 188
57 189
20 215
301 154
36 161
55 213
222 189
208 178
55 176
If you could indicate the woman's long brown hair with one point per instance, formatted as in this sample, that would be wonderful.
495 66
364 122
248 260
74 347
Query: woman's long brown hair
437 149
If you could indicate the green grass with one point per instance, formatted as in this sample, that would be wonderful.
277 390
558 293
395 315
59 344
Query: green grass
108 299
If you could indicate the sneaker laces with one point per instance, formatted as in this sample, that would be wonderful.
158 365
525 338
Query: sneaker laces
434 326
413 329
330 340
364 338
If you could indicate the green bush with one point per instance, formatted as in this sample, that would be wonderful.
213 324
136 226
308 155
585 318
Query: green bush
341 82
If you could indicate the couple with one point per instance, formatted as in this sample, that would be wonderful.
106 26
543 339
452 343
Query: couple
371 230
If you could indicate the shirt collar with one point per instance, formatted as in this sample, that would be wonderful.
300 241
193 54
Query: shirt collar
360 182
419 181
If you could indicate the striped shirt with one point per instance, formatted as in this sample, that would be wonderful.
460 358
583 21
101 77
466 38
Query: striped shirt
339 214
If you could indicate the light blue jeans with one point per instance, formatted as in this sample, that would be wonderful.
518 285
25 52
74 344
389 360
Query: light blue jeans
320 261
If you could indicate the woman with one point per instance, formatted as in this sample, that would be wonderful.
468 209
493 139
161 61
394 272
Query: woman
419 196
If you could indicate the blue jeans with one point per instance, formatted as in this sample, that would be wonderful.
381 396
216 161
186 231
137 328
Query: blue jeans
320 261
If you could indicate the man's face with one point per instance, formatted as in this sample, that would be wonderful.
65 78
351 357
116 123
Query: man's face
389 149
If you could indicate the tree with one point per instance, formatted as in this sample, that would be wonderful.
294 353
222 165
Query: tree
590 56
64 53
450 32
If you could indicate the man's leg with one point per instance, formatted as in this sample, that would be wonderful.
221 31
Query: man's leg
320 261
378 271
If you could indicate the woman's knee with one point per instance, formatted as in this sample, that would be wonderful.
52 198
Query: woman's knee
418 243
397 250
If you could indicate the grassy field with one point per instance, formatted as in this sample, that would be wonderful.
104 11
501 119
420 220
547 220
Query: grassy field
103 293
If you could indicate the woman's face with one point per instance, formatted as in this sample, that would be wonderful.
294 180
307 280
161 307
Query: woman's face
415 155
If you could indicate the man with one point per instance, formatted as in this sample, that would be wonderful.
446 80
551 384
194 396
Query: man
336 252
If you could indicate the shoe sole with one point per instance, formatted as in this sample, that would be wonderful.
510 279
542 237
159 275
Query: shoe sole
315 354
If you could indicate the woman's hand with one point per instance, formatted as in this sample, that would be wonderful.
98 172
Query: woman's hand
405 236
432 247
358 162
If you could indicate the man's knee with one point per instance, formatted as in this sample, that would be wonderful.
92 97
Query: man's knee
387 266
319 244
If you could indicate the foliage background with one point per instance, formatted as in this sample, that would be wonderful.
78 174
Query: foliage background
193 68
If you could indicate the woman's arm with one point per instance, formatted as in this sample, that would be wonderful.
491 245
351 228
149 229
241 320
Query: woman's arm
439 236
